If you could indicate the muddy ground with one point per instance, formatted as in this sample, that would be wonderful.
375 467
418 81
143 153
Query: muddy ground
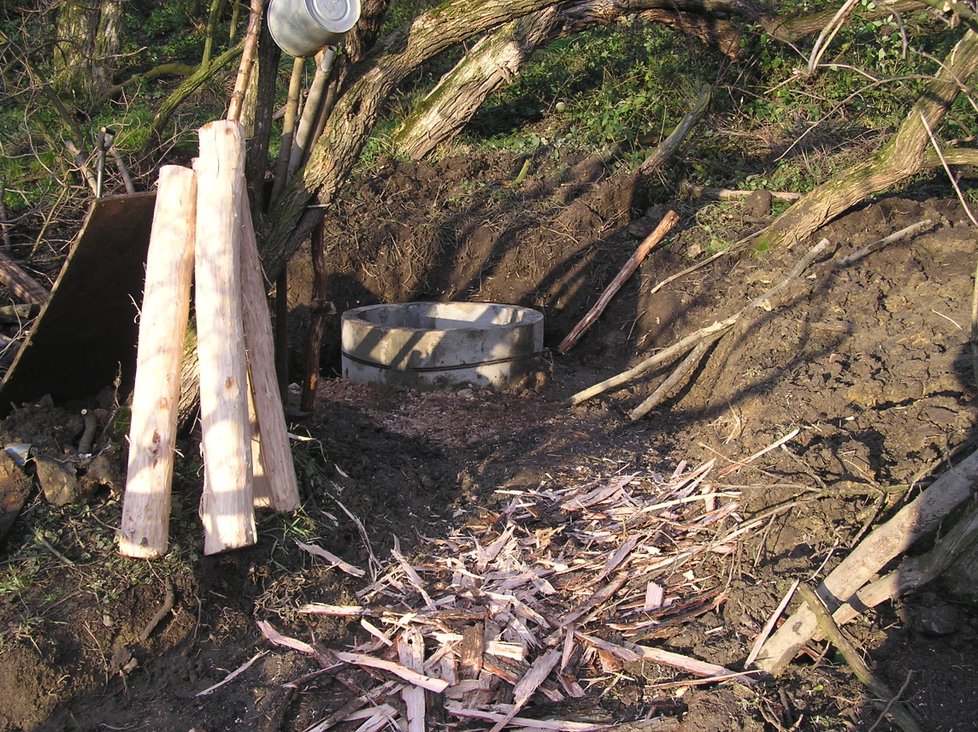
869 362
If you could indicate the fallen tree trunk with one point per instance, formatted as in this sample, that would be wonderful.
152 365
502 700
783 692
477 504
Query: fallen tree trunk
905 154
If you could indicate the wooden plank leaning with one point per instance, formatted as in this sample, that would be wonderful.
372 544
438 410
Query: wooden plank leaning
163 322
226 505
887 541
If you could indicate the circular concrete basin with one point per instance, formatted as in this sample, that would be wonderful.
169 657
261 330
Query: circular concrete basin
441 344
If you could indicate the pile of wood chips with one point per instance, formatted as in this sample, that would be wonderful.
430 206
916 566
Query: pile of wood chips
547 598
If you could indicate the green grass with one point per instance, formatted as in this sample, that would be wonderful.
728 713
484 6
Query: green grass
625 85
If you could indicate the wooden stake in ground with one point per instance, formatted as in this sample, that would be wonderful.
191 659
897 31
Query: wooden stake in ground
163 322
276 455
226 506
319 311
668 221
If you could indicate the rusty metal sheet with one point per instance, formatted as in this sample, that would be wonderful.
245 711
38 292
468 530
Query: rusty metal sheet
85 335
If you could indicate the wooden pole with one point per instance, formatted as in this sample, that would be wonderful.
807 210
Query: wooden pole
276 454
281 178
226 506
163 322
247 62
668 221
318 312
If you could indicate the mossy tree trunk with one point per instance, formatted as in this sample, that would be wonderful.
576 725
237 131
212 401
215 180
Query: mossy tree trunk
904 155
359 108
488 65
87 44
499 57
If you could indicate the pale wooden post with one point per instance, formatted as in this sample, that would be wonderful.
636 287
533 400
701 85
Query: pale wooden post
276 454
226 505
156 395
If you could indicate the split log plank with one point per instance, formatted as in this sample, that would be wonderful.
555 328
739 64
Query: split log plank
156 395
226 506
668 221
887 541
276 455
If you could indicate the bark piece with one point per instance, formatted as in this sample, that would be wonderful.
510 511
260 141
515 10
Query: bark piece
412 677
410 652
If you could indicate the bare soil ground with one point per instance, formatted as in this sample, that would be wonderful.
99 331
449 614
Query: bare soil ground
869 362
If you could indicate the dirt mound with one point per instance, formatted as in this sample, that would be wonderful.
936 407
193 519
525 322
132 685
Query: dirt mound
867 361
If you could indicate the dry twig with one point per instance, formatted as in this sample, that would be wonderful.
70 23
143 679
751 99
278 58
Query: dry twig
710 332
